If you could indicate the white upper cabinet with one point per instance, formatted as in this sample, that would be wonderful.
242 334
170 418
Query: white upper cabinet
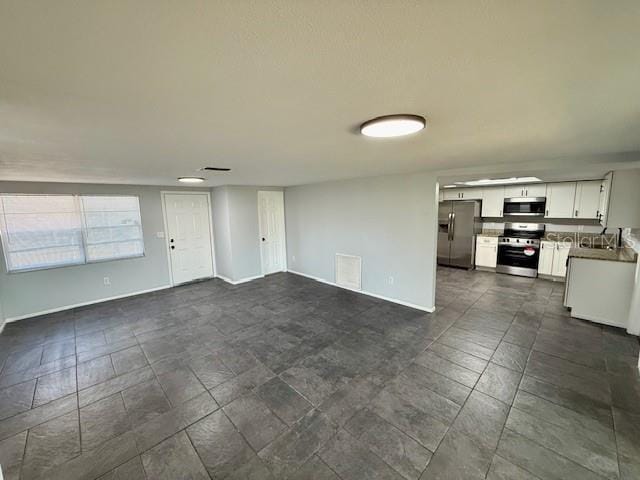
621 199
462 194
587 204
605 190
533 190
513 191
492 202
560 200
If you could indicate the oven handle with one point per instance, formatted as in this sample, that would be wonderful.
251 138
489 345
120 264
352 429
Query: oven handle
518 245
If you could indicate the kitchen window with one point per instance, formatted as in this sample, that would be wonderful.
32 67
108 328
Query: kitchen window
48 231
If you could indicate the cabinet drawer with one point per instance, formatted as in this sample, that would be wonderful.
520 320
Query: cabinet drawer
487 240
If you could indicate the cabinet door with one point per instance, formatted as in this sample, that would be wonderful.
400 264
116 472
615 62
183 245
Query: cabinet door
452 194
560 259
535 190
513 191
486 251
560 200
492 202
605 190
545 263
472 193
587 199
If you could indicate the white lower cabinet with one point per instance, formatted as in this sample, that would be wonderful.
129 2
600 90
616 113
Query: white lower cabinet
553 258
545 263
600 290
560 257
486 251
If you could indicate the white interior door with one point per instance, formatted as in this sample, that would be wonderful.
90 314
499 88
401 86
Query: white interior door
189 236
272 231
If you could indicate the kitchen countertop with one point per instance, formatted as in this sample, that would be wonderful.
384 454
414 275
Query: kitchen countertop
615 255
490 233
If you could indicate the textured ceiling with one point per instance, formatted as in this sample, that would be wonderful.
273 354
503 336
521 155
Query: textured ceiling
146 91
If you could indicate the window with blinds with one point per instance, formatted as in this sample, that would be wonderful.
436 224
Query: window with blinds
112 227
47 231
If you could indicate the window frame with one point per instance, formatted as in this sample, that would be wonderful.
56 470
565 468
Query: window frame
83 227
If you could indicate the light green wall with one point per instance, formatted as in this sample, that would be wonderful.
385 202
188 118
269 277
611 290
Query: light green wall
32 292
389 221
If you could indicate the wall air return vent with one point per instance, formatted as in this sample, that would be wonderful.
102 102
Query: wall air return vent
349 271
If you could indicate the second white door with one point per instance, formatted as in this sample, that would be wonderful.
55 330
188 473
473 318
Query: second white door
189 236
272 231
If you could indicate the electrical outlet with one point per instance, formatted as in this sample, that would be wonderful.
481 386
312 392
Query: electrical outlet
107 281
391 280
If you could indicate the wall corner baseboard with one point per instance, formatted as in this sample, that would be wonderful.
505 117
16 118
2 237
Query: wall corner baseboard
364 292
238 282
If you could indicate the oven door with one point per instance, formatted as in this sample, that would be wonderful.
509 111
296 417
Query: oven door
518 259
524 207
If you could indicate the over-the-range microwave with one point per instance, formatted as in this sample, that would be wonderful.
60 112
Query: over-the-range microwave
524 206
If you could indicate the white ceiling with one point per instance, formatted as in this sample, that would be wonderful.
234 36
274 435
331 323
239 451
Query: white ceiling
146 91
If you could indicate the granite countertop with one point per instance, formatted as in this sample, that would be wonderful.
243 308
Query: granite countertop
615 255
490 233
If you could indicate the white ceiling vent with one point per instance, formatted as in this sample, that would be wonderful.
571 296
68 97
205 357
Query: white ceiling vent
349 271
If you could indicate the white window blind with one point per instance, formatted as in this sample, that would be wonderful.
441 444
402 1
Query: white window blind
113 227
46 231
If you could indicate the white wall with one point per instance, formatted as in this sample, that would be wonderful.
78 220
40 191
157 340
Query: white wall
1 316
633 240
222 232
235 215
389 221
28 293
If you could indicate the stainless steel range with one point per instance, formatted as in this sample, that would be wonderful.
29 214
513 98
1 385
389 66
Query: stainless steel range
519 249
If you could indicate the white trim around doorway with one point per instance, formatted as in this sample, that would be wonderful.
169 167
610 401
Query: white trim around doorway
163 193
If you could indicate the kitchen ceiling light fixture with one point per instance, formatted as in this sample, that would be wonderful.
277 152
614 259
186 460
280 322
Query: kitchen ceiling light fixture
191 179
389 126
500 181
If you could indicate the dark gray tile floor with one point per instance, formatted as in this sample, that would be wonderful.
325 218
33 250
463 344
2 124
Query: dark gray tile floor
288 378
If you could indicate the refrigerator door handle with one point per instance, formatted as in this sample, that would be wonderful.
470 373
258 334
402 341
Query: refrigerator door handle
452 230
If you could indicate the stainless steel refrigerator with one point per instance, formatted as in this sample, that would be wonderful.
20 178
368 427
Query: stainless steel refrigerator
458 222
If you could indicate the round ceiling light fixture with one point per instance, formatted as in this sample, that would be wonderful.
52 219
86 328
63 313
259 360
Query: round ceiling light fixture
191 179
389 126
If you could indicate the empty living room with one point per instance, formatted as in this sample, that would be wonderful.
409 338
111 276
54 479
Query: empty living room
332 240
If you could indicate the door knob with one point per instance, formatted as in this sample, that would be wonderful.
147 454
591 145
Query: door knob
171 240
173 247
263 239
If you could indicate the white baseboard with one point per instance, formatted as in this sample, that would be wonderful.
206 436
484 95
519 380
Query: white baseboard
364 292
238 282
83 304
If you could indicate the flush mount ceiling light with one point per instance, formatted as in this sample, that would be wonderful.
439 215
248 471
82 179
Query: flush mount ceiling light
393 126
500 181
191 179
